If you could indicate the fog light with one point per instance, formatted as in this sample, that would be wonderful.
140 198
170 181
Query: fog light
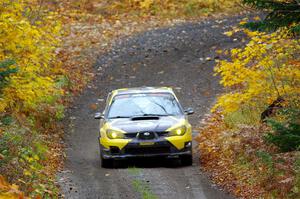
188 144
114 149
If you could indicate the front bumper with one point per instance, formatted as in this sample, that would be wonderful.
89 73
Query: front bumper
149 148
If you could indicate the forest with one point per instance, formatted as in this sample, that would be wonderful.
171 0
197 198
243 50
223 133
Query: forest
250 141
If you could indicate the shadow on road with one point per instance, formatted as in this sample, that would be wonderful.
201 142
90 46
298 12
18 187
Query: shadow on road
148 163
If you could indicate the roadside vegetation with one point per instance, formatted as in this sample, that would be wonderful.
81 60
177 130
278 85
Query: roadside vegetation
251 141
47 53
31 90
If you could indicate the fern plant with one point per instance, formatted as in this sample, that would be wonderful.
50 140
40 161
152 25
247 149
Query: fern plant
286 134
6 70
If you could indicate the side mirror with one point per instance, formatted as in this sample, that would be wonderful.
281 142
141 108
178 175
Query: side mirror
189 111
98 116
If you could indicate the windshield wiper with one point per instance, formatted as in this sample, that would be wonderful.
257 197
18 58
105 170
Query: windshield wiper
116 117
151 114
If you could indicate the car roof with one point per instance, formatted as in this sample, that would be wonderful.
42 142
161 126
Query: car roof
143 90
137 90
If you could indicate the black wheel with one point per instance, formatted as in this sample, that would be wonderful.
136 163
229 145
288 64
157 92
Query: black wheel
117 164
186 160
106 163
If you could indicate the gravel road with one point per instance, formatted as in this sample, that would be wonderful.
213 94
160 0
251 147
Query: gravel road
181 57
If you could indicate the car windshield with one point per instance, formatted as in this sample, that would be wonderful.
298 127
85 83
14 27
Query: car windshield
135 105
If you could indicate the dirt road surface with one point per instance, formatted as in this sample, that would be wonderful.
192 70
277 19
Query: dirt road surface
181 57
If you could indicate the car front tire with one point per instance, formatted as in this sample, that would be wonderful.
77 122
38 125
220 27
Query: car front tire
106 163
186 160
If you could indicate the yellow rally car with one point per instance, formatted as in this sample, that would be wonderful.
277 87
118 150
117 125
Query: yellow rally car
144 122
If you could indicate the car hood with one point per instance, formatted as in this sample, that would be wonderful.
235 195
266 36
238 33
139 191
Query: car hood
153 125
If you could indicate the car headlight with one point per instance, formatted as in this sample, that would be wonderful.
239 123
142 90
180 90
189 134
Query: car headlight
180 131
114 134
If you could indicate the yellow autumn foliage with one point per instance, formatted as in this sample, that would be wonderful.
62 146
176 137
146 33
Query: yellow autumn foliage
8 191
31 41
256 75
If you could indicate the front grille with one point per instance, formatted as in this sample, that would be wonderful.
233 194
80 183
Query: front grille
162 134
130 135
147 150
142 135
146 135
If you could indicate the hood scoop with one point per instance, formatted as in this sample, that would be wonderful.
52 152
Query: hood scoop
145 118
